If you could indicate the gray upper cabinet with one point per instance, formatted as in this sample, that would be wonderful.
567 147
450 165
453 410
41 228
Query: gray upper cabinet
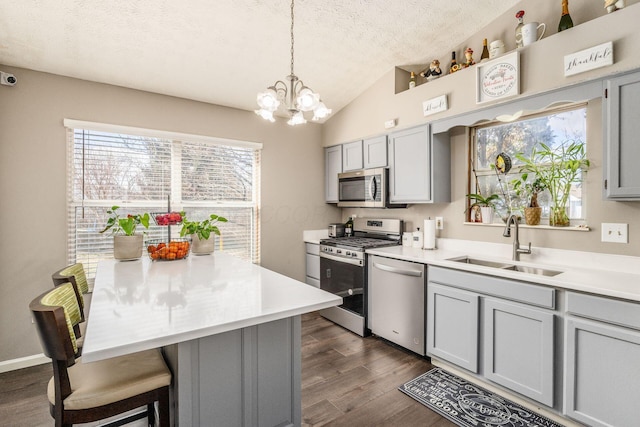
621 129
332 167
419 167
518 349
352 158
375 152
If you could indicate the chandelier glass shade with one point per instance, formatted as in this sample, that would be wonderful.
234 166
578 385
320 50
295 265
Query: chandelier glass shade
294 95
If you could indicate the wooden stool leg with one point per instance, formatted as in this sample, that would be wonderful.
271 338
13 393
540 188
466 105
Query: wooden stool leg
163 407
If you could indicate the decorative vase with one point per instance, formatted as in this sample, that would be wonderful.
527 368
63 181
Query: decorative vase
487 214
558 216
202 247
127 247
532 215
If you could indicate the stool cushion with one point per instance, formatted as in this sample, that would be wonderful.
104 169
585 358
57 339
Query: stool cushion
99 383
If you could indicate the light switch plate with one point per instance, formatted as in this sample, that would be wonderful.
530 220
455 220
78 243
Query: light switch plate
439 223
615 232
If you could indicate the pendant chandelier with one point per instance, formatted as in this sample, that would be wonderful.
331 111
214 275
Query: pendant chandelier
297 97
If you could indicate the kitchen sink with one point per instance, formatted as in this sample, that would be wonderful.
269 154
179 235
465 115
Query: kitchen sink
533 270
506 266
482 262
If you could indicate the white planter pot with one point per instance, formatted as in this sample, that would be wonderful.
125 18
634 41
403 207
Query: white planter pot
202 247
487 214
127 247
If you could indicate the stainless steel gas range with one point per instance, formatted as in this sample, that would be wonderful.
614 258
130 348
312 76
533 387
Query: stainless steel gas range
343 269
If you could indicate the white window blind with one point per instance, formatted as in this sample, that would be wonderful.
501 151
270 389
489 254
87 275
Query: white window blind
130 167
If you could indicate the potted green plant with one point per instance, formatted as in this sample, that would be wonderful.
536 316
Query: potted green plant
486 204
202 241
126 244
530 190
557 169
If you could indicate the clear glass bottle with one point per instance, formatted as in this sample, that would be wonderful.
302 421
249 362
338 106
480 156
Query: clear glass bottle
520 16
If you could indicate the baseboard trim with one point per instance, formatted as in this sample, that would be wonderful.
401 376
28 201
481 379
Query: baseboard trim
23 362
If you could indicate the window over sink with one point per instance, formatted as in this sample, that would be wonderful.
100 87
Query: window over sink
141 170
519 134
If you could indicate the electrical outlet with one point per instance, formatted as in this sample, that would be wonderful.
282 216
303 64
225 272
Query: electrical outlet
615 233
439 223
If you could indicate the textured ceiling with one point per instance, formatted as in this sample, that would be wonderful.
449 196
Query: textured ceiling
225 51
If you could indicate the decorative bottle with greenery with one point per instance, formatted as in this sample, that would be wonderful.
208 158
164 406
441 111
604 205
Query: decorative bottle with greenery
565 20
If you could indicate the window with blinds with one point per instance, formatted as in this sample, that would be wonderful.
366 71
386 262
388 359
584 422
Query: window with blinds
144 170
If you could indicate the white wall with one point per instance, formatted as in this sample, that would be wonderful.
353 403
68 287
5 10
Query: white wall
33 184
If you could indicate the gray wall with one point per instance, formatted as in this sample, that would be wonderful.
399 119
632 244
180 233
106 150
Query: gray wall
541 66
33 180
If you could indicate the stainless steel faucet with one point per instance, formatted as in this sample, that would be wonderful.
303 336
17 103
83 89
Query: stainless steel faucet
517 250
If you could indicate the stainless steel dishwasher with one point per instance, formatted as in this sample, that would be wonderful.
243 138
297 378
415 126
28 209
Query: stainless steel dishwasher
396 302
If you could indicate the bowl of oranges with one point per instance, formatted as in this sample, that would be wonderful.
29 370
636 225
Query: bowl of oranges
159 250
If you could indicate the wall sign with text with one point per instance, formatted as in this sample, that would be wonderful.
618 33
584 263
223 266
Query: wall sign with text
435 105
498 78
588 59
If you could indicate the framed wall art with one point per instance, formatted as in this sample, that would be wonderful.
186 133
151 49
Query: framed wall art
498 78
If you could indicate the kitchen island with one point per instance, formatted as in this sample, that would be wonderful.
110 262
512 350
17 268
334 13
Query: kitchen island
230 331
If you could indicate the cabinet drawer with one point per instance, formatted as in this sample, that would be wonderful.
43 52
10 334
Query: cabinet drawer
624 313
313 266
313 249
495 286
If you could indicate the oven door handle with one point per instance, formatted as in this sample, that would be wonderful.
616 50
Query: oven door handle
357 262
415 273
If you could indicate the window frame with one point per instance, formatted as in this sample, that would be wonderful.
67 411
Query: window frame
515 171
176 140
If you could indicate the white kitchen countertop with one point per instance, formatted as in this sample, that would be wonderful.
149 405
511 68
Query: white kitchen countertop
314 236
607 280
140 305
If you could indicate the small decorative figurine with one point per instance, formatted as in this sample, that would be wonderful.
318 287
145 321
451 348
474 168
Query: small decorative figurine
613 5
468 54
433 72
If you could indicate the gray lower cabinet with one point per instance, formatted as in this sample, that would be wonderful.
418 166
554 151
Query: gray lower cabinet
503 330
518 349
602 361
452 325
312 264
248 377
621 128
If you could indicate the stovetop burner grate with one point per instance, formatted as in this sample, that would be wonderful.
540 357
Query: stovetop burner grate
358 242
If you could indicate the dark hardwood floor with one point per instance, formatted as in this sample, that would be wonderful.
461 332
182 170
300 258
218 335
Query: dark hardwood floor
346 381
351 381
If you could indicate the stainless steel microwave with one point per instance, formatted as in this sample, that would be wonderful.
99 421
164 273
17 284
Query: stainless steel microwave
366 188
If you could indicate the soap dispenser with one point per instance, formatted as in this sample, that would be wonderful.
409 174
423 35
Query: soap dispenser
418 238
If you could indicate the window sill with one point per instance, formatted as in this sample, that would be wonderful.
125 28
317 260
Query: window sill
539 227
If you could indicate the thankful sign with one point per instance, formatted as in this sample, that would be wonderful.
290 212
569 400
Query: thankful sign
588 59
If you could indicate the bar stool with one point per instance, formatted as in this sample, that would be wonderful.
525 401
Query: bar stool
87 392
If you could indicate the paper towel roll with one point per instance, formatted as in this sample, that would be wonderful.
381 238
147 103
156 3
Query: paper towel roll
429 233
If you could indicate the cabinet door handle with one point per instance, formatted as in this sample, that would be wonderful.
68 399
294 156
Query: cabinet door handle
415 273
